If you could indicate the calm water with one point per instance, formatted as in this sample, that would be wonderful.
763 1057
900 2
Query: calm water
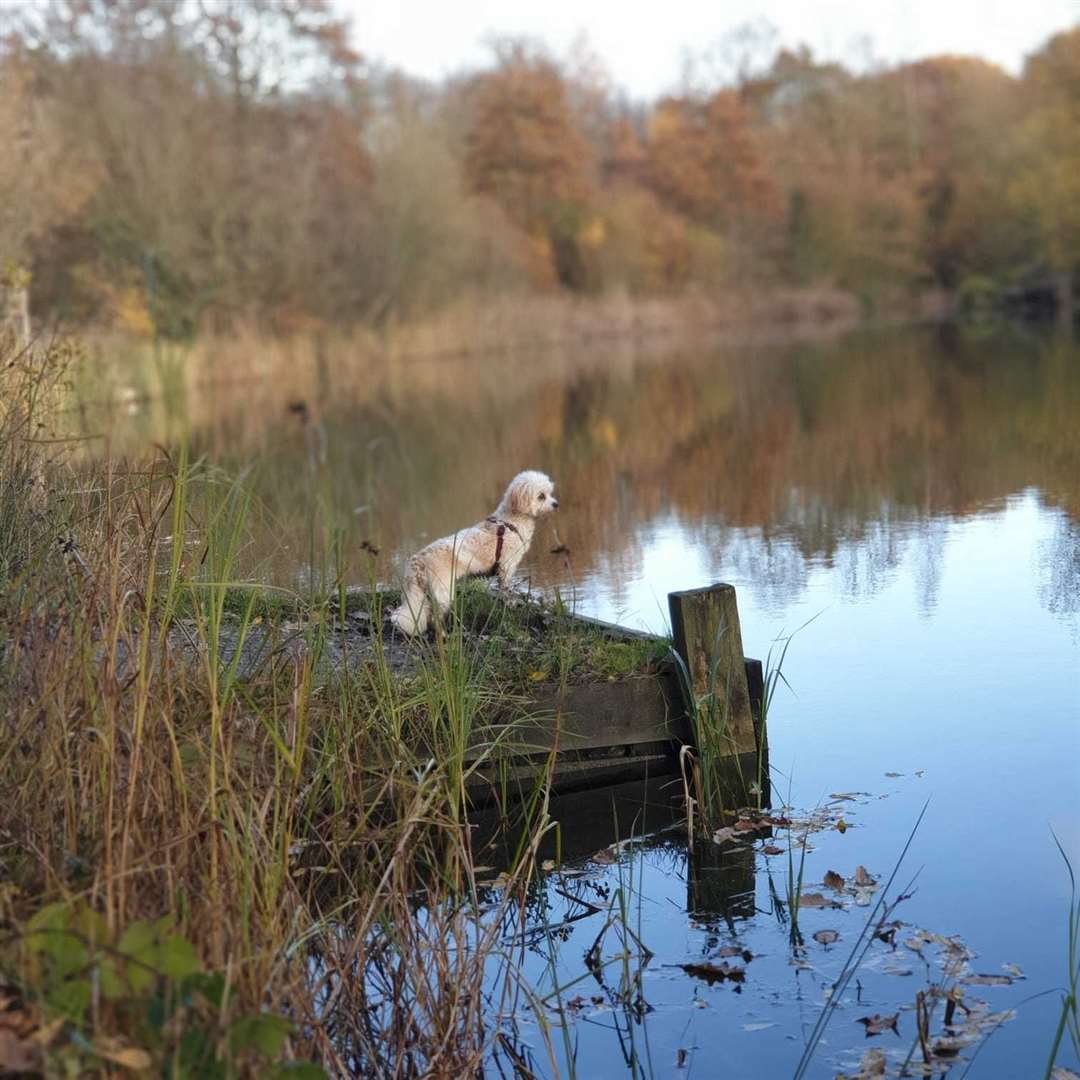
916 493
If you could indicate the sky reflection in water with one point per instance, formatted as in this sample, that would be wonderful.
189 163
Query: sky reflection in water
969 673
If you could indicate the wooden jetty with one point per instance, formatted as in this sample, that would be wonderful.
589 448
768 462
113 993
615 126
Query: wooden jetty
635 726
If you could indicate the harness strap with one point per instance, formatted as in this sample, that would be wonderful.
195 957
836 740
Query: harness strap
500 533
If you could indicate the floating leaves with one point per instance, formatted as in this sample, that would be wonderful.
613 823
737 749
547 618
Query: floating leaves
729 951
872 1065
826 937
887 932
577 1003
878 1023
714 973
816 900
861 887
987 980
863 879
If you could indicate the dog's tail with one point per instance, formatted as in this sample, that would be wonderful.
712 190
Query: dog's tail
414 613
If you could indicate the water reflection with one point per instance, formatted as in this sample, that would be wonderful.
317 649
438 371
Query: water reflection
854 455
918 492
1059 569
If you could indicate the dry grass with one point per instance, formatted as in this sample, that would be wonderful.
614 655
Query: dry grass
213 875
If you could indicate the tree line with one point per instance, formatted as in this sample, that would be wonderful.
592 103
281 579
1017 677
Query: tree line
169 167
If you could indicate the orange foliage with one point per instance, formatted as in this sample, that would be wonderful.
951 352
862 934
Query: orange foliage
705 160
522 147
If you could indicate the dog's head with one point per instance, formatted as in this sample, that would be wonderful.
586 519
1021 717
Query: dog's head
530 494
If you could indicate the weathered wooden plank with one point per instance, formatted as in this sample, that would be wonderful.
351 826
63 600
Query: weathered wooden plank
624 712
705 628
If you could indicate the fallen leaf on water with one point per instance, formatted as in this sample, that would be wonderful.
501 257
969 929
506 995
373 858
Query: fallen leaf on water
918 940
843 796
948 1047
893 775
729 951
606 856
826 937
987 980
772 849
919 772
816 900
841 826
833 880
887 933
872 1065
877 1023
713 973
863 878
1014 971
723 836
548 864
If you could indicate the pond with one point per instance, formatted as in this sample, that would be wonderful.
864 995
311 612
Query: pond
907 500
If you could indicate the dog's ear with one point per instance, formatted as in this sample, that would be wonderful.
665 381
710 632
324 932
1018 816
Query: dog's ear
519 496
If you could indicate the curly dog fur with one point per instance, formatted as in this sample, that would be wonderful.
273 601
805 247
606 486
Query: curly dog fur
476 551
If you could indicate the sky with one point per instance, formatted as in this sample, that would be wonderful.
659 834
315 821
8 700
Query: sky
644 45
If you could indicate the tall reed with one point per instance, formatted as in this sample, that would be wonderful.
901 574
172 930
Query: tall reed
219 855
1069 1020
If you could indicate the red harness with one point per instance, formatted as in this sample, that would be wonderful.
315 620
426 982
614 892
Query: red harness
500 532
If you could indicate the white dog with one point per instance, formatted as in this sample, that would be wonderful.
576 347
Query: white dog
492 548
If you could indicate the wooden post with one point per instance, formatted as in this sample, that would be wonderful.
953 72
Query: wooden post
705 627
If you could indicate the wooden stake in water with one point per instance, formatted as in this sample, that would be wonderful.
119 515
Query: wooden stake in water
706 633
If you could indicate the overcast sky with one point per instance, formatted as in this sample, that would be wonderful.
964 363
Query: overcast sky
643 44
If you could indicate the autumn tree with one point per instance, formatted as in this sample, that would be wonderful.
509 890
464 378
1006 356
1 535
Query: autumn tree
836 146
959 115
226 141
524 150
704 159
1046 187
